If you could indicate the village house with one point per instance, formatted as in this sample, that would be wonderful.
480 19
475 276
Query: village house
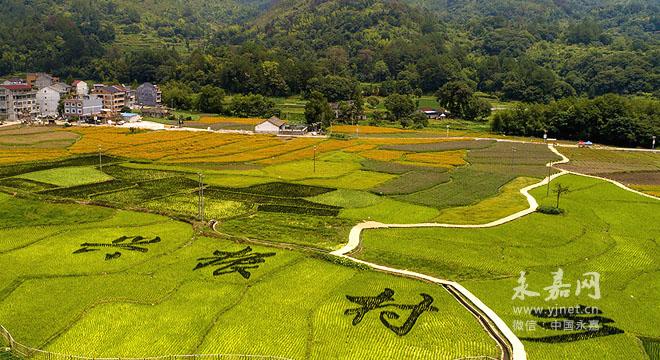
148 94
433 113
14 81
41 80
85 107
129 94
271 126
48 98
80 88
113 98
17 102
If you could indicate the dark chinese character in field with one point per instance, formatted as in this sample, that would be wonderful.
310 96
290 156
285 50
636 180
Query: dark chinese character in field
381 301
230 262
128 243
583 322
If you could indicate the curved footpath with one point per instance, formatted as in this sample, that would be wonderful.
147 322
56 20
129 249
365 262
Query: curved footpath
512 348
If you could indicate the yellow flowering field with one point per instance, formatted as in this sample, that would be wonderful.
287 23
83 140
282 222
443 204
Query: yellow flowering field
308 152
8 156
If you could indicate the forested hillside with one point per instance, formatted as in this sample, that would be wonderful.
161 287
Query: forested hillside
533 51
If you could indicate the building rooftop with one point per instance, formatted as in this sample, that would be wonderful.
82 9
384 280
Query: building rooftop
17 87
276 121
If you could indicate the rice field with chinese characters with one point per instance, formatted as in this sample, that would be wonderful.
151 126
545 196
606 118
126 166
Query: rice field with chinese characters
104 253
605 230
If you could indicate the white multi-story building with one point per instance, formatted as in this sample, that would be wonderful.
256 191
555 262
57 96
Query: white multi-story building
48 98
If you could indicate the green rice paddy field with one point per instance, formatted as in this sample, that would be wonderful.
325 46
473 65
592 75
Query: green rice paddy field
155 302
114 260
605 229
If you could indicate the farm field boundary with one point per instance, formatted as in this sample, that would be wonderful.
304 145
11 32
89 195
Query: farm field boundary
20 350
502 330
512 347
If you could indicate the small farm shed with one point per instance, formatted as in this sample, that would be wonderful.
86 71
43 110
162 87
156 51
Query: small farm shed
270 126
131 117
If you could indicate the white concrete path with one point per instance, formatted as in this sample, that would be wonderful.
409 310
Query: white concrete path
518 350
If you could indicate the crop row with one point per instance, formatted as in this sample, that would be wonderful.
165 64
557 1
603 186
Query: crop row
412 182
391 167
22 168
441 146
26 185
281 189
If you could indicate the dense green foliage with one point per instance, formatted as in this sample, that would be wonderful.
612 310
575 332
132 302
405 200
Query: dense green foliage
533 50
606 119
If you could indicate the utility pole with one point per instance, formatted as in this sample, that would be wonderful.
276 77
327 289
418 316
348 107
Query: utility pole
547 193
200 202
315 159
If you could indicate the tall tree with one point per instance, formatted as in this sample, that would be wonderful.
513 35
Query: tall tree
317 110
399 106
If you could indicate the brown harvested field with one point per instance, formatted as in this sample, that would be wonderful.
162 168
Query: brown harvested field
513 153
57 144
637 169
442 146
37 137
634 178
25 130
602 161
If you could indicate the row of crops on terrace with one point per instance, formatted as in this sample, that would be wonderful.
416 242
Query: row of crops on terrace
174 190
169 192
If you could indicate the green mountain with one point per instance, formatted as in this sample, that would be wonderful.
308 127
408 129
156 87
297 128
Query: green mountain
535 50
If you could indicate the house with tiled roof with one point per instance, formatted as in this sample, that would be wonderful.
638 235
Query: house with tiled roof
271 126
80 88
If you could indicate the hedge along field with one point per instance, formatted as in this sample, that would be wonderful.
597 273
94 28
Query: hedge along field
605 229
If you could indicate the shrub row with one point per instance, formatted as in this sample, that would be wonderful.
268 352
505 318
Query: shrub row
281 189
23 168
441 146
298 210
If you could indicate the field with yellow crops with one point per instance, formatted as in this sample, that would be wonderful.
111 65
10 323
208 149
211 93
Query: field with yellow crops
104 251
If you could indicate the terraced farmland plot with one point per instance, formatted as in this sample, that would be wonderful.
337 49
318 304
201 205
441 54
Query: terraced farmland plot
605 230
441 146
68 176
454 193
173 298
639 170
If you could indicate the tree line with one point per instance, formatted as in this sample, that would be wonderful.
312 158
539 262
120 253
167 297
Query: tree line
388 46
609 119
